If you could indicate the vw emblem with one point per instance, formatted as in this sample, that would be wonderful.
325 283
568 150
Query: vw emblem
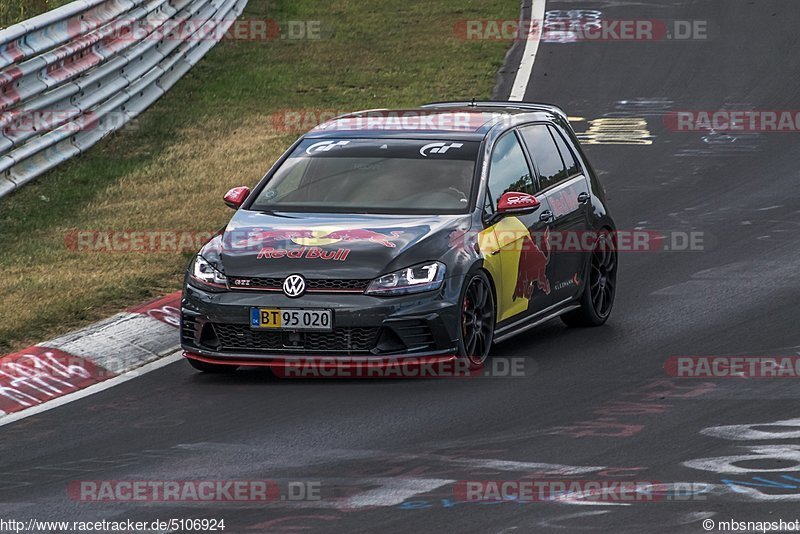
294 286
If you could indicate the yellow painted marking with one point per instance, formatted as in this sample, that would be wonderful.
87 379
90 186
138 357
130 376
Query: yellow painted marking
617 131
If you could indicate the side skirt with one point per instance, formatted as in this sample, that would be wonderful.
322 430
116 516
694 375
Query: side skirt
527 323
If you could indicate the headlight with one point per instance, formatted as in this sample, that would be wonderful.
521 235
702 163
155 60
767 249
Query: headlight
205 275
416 279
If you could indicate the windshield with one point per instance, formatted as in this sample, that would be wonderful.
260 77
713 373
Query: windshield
373 176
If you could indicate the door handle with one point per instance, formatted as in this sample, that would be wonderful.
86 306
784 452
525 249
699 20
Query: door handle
584 197
546 216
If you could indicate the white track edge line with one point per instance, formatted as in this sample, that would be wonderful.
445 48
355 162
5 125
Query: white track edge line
525 70
91 390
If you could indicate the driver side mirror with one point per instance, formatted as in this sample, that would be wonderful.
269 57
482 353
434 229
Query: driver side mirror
513 202
236 197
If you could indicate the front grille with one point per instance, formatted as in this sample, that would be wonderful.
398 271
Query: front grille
336 285
315 285
235 337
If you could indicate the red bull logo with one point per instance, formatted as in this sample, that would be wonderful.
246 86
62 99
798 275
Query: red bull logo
365 235
309 253
318 237
257 237
532 267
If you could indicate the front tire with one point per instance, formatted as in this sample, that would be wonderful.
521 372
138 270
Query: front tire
211 367
600 289
477 320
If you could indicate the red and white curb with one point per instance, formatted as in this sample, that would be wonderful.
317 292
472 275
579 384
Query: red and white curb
97 357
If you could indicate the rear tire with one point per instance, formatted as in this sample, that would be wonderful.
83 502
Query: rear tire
211 367
476 325
600 289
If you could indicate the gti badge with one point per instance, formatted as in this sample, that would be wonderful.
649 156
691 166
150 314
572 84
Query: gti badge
294 286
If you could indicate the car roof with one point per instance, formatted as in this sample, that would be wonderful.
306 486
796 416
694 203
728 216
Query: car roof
453 120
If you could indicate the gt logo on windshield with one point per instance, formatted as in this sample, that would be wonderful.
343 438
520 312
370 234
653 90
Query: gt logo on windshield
324 146
438 148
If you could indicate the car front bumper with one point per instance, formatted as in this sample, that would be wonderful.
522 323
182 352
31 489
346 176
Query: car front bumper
215 326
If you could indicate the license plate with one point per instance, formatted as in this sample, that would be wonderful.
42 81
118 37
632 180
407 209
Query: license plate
291 319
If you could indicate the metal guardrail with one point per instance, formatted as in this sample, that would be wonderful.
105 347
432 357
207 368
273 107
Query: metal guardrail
72 76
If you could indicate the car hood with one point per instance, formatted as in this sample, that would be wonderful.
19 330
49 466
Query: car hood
256 244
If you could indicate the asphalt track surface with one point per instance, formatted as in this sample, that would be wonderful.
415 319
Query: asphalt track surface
386 452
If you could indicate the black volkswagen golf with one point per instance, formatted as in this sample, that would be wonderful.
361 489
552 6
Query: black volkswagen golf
426 233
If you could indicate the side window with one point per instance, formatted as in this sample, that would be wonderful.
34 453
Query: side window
508 170
566 154
545 154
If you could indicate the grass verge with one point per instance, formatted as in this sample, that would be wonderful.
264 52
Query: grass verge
13 11
211 132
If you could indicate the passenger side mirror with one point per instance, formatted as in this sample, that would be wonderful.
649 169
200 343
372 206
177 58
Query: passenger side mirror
236 197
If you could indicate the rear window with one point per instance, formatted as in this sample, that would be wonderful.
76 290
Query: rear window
400 176
566 154
545 154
